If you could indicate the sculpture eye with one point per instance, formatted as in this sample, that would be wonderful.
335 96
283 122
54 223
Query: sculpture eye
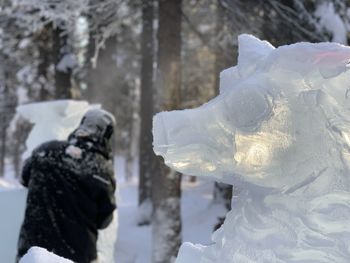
247 108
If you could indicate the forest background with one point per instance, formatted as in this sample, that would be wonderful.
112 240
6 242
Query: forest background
137 58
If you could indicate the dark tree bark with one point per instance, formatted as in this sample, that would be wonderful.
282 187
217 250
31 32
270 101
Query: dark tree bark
23 128
220 47
8 102
2 150
103 76
60 49
224 58
44 41
166 182
147 157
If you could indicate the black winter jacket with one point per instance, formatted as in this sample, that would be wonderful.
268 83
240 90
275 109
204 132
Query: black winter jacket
70 195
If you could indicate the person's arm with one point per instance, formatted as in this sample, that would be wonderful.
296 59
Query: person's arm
106 201
25 175
37 153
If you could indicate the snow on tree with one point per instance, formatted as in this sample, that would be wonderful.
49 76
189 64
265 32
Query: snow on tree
279 132
58 20
46 44
285 22
8 101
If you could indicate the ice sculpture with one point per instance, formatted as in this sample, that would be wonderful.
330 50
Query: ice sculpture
52 120
55 120
280 133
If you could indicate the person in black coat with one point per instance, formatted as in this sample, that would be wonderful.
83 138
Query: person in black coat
70 191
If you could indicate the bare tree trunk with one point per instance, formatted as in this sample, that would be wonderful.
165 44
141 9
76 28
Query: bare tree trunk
8 102
2 150
147 157
133 152
3 129
63 73
166 188
44 41
222 192
20 135
219 47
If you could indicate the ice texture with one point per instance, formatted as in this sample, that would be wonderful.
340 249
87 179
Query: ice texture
280 133
55 120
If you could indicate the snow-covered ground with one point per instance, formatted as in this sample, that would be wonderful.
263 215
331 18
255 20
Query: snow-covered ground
199 215
12 200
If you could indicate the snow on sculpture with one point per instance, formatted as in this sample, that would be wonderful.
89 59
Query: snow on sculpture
55 120
280 133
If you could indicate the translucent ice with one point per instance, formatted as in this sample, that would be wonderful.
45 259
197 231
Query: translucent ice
280 132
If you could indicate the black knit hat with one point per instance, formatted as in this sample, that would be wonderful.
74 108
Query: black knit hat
96 126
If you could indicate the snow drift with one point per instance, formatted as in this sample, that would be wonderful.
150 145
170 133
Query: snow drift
280 132
12 205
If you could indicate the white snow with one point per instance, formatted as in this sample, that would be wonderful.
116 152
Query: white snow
23 43
25 75
68 62
279 132
12 204
74 152
190 253
41 255
331 21
6 185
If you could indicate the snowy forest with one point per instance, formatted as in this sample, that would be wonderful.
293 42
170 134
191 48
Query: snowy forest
136 59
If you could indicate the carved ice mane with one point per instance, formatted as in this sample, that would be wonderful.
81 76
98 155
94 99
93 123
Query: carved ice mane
280 133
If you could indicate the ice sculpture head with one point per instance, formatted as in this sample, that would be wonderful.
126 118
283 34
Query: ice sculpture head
279 118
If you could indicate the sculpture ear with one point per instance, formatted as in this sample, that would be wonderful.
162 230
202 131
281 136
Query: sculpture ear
251 52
